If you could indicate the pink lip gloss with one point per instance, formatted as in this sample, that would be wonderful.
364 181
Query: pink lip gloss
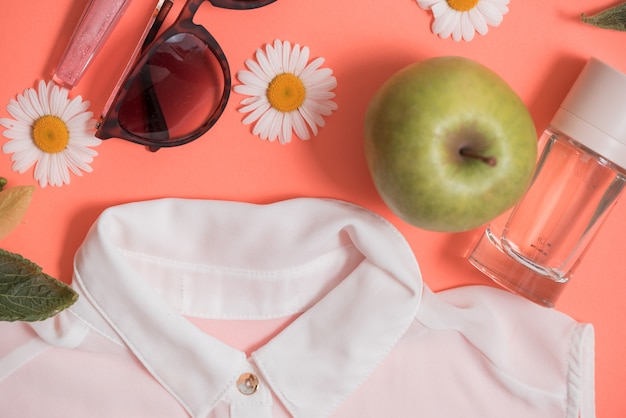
96 22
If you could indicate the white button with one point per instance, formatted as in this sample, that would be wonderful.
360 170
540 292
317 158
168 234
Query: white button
247 383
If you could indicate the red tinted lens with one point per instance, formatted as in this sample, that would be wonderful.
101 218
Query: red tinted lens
176 92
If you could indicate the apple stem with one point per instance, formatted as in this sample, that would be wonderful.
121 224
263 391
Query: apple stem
466 152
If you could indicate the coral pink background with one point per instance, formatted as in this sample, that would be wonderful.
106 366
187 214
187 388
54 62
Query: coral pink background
539 50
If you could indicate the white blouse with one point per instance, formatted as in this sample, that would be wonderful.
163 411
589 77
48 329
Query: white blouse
305 308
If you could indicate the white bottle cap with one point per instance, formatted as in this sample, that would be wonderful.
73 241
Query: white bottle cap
594 111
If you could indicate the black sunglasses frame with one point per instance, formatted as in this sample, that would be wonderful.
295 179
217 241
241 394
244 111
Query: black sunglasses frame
108 125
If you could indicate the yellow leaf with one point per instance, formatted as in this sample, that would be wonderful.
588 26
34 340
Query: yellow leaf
13 204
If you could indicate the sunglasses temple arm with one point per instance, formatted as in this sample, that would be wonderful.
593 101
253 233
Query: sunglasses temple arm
156 19
161 11
156 120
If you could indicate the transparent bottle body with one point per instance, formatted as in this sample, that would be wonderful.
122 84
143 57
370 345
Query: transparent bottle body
539 243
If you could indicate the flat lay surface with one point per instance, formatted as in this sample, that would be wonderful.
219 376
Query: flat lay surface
539 49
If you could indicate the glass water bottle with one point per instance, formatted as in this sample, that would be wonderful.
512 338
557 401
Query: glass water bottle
534 249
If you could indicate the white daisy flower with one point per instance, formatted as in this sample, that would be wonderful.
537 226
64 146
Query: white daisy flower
286 92
461 18
51 132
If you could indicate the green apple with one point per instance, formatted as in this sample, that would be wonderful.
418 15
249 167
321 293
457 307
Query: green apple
449 144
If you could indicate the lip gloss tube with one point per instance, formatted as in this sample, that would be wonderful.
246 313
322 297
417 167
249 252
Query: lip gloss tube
94 27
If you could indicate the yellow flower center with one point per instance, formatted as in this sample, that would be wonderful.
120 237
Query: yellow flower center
50 134
462 5
286 92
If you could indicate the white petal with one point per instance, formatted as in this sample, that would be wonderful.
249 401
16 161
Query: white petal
264 64
41 170
77 161
490 12
264 123
78 121
319 95
79 150
310 69
328 104
32 98
467 28
284 135
44 97
18 130
15 109
250 99
440 8
311 119
320 108
73 108
317 76
294 59
257 113
17 145
59 168
299 126
83 140
444 25
275 126
322 89
286 56
304 58
58 101
500 5
479 22
13 135
24 160
28 108
328 84
274 56
256 69
249 90
456 31
251 79
85 143
252 105
427 4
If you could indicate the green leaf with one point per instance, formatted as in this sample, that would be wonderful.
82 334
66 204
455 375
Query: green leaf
612 18
28 294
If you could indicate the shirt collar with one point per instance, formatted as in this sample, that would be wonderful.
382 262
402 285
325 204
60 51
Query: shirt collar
349 272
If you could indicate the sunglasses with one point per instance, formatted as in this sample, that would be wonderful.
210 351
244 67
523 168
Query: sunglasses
177 84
